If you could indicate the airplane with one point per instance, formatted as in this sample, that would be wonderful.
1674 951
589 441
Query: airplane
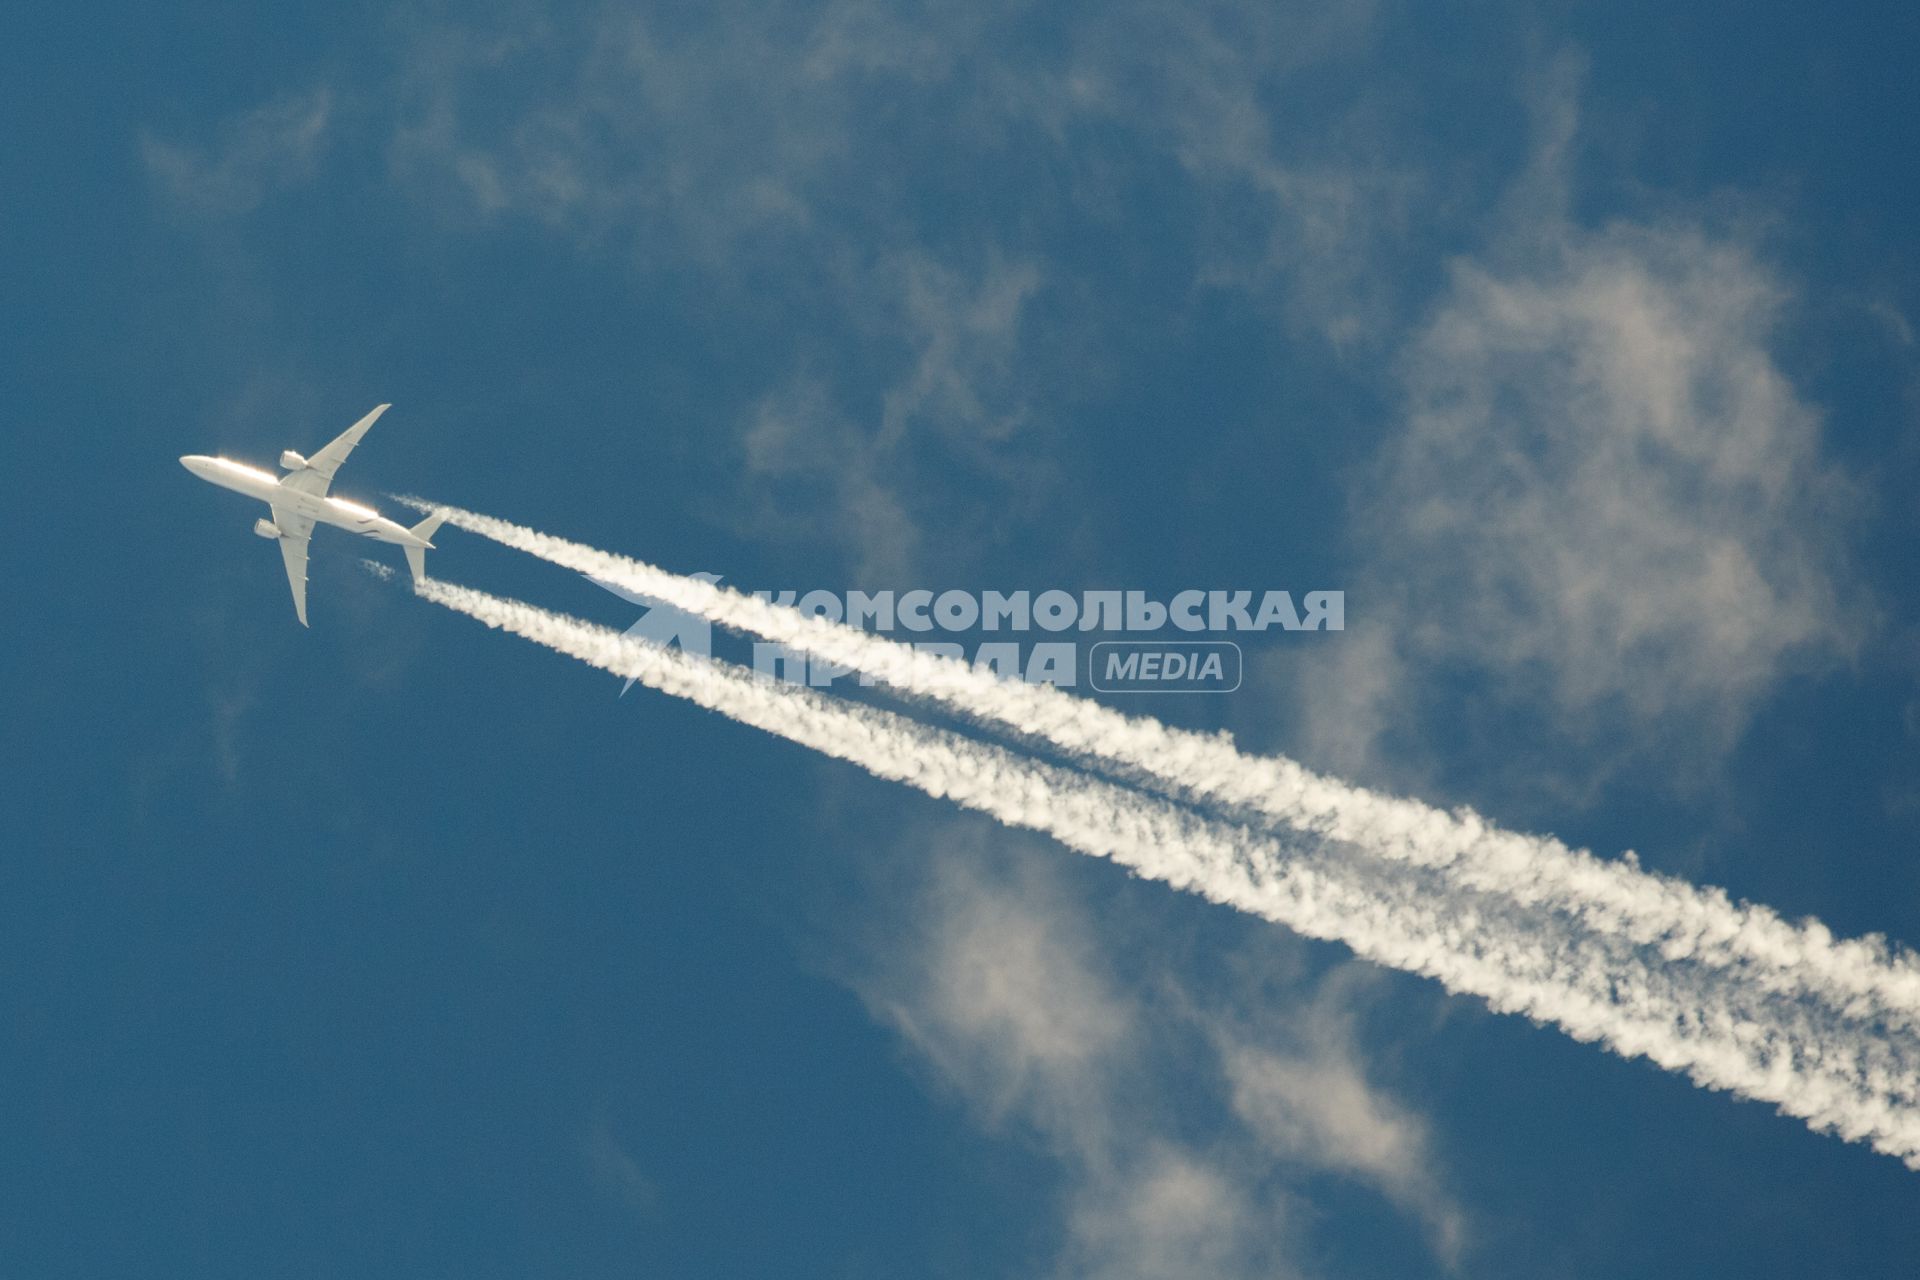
299 501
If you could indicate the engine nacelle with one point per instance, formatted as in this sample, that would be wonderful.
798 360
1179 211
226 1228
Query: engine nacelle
293 461
266 528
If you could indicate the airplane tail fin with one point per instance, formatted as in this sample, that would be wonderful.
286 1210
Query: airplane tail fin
417 556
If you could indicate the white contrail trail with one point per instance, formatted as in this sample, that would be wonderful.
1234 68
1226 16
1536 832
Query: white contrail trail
1684 1016
1862 977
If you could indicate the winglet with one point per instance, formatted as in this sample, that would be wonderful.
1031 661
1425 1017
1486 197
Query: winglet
417 556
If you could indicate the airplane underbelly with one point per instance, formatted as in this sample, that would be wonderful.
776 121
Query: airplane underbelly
252 486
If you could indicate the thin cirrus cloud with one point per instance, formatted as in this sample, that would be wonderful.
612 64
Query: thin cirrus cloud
1606 490
910 186
1603 497
271 148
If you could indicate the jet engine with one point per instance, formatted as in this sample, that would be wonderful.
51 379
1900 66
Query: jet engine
266 528
292 461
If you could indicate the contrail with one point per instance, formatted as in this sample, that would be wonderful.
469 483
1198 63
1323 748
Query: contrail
1862 978
1807 1059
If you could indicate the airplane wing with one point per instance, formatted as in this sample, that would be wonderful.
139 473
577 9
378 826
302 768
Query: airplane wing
295 531
318 473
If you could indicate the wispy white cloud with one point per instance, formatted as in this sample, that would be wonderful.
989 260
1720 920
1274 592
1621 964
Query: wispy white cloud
1288 206
1011 991
267 149
1607 499
1009 997
1311 1101
955 401
1175 1212
902 180
746 134
616 1172
708 139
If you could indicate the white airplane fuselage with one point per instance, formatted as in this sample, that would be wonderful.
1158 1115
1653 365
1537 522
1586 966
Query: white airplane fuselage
266 486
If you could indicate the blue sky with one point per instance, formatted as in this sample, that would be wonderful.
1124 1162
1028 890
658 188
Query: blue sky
1574 343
